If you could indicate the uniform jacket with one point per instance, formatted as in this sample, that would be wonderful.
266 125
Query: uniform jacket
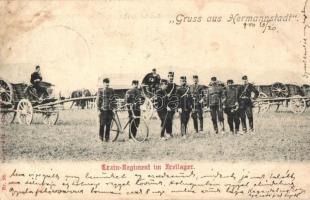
161 100
197 92
134 97
151 80
230 96
105 99
34 76
214 95
185 98
245 91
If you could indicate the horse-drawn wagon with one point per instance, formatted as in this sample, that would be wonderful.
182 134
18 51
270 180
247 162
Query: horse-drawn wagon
292 96
20 101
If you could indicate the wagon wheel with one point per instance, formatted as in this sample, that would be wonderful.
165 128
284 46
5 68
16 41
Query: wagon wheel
6 92
279 90
297 104
7 117
262 105
50 117
24 112
147 109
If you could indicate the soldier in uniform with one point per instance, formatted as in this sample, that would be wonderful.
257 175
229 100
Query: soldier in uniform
198 97
230 103
105 102
35 80
151 81
163 110
214 102
185 104
172 97
245 103
134 100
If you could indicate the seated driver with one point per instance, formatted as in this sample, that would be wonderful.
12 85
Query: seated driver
35 80
151 80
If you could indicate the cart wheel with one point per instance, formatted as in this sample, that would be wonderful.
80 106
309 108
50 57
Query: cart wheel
142 129
7 117
50 117
114 130
279 90
262 106
147 109
6 92
297 104
24 112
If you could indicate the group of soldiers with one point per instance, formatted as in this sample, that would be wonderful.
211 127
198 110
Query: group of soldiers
188 100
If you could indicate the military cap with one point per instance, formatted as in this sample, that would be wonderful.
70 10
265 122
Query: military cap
38 66
170 73
183 78
213 78
230 81
164 81
135 82
195 76
244 77
106 80
154 69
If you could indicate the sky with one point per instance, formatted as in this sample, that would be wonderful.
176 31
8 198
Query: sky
76 42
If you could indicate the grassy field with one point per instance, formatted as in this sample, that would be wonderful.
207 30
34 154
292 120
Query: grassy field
279 137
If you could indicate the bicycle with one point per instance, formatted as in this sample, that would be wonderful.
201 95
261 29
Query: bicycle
116 126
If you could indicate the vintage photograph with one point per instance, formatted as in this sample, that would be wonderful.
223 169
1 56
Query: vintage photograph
133 81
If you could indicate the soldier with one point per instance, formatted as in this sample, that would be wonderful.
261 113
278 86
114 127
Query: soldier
134 100
172 97
198 97
245 103
230 103
105 102
35 80
151 81
163 110
185 104
214 102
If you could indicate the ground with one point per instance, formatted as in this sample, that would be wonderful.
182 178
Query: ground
280 136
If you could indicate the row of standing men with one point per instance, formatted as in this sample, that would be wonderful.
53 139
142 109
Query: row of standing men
188 100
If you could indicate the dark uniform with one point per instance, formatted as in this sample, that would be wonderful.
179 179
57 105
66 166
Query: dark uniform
173 100
164 114
197 110
230 102
105 104
36 84
185 104
245 103
214 102
134 99
152 81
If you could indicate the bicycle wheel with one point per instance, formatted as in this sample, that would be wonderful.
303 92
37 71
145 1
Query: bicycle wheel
114 130
142 128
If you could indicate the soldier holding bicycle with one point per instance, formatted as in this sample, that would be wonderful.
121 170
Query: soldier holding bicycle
105 102
134 99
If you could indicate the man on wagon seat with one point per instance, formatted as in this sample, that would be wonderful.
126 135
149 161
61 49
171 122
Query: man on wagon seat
35 80
151 81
